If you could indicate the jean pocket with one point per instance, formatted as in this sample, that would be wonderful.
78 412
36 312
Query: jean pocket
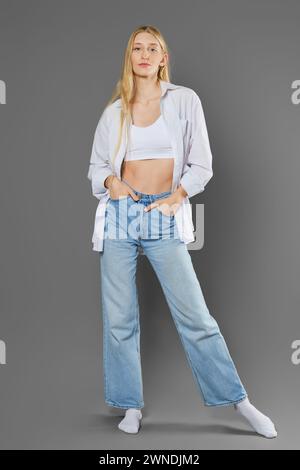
171 216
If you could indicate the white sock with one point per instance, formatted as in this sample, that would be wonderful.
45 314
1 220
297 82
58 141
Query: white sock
131 422
259 422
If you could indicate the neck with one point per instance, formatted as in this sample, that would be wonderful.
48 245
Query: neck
147 89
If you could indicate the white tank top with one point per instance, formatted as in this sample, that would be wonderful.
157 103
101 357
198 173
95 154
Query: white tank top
149 142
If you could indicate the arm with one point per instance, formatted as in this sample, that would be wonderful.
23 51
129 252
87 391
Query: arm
198 168
99 167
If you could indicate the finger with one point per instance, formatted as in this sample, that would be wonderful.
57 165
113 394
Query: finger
151 206
133 195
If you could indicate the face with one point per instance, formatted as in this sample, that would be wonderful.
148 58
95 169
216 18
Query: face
147 50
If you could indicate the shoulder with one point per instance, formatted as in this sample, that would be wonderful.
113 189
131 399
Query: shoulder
186 101
178 90
111 108
183 96
108 114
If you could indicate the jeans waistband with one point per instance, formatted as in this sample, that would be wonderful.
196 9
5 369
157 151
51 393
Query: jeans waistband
148 196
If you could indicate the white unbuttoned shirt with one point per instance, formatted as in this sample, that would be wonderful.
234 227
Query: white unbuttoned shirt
182 111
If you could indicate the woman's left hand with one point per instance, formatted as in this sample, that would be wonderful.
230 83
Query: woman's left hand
167 205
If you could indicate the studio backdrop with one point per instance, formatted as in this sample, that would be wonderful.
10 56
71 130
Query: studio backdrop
59 63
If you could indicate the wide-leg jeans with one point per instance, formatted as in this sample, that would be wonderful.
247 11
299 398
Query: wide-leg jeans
128 230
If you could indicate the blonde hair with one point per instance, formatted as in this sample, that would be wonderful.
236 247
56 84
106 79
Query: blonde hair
125 87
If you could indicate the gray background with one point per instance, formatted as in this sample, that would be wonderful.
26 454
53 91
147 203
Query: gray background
60 61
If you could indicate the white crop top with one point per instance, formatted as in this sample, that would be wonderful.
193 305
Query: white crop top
149 142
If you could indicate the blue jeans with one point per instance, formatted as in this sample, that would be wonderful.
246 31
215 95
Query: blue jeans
126 232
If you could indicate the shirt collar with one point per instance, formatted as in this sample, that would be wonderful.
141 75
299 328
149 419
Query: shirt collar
164 85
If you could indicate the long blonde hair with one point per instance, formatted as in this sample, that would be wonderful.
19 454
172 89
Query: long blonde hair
125 87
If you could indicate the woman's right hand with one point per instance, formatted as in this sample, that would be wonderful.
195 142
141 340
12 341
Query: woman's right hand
117 188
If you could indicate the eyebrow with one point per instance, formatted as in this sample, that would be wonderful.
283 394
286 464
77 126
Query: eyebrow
150 43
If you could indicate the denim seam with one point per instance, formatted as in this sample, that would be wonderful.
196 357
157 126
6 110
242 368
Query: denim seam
141 224
105 339
198 383
194 373
186 351
188 357
227 402
136 329
117 405
105 344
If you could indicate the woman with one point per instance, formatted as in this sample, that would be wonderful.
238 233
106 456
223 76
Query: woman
150 154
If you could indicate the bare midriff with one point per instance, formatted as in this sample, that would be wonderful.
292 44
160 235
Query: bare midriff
150 176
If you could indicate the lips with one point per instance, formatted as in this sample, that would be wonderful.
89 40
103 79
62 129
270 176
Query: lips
144 65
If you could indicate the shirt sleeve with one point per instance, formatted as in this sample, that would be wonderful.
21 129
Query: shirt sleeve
197 170
99 167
